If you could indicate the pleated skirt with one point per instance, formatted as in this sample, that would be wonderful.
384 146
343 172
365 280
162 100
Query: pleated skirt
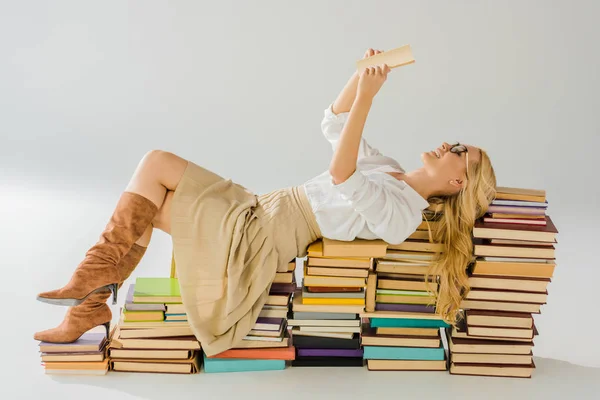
228 243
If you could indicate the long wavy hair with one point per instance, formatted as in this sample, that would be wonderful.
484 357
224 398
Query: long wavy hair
454 218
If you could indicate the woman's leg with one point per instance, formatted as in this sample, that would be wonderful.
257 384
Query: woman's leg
157 173
155 178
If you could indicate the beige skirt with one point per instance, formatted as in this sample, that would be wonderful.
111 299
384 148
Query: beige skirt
228 243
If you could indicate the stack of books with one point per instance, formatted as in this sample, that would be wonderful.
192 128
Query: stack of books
85 356
399 284
404 344
153 334
514 246
267 346
326 310
401 330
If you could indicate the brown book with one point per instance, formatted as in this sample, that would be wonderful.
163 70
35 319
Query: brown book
504 250
486 346
354 248
525 243
409 331
407 365
500 306
371 292
371 338
331 289
516 269
432 224
459 334
507 295
337 262
499 319
345 272
505 370
489 230
462 358
499 332
523 194
159 365
518 284
409 256
520 216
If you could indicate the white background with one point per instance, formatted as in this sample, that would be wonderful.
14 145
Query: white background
87 88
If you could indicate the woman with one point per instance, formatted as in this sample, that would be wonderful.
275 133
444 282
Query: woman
229 243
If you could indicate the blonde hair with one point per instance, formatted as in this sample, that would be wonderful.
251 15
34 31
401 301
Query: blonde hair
455 217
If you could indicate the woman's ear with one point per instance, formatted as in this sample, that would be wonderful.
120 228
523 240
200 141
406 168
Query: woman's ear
457 183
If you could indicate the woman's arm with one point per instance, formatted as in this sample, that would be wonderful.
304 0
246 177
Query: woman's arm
343 103
343 163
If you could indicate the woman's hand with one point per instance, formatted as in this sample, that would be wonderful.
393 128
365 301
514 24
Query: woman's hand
370 81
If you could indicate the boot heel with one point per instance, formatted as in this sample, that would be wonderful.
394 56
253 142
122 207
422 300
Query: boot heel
107 327
114 288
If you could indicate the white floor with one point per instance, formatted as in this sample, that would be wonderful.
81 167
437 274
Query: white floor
553 380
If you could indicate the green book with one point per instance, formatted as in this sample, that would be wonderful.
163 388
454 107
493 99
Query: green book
403 353
156 290
407 323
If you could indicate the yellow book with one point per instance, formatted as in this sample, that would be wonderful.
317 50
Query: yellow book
354 248
330 301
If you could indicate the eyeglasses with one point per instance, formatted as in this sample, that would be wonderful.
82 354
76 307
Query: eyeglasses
458 148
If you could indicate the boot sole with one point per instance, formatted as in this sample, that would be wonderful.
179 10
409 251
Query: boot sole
113 287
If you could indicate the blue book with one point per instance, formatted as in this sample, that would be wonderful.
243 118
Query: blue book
240 365
407 323
403 353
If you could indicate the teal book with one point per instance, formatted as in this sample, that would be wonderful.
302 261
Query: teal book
240 365
407 323
403 353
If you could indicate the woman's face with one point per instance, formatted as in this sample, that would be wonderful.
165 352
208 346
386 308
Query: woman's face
448 164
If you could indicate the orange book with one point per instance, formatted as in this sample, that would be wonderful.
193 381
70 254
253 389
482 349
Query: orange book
281 353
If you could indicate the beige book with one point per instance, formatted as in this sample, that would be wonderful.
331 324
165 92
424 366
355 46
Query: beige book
469 345
406 365
338 262
492 358
354 248
371 292
492 370
401 268
156 332
434 332
324 322
501 295
394 58
333 281
417 245
344 272
336 335
278 299
283 277
405 285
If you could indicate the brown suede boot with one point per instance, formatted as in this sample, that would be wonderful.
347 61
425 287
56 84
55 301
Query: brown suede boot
93 311
98 271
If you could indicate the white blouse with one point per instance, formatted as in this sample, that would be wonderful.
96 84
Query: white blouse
370 204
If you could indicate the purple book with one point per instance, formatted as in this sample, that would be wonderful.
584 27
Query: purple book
404 307
131 306
282 288
89 341
330 353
